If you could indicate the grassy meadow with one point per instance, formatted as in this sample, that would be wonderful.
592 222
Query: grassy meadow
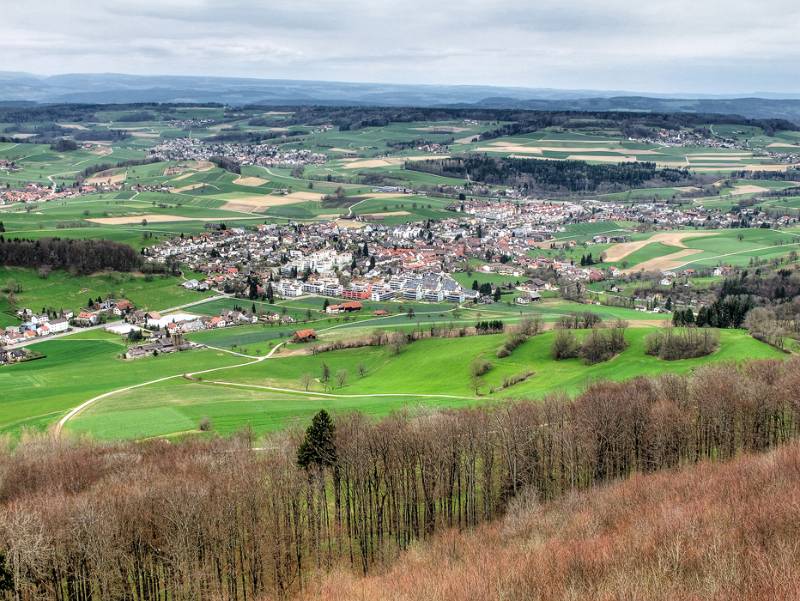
427 374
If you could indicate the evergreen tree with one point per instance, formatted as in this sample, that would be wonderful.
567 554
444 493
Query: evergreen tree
318 448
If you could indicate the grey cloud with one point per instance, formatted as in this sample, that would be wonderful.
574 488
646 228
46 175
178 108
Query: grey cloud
647 45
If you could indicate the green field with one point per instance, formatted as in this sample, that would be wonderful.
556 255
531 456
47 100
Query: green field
60 290
429 367
736 247
79 367
37 393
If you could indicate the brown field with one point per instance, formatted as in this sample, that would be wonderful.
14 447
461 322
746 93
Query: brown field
102 150
535 149
262 201
149 217
466 139
250 181
107 177
189 168
445 128
342 150
747 167
202 165
391 161
386 214
782 145
73 126
304 196
144 134
665 263
504 147
188 187
350 224
384 195
747 189
623 249
601 158
581 141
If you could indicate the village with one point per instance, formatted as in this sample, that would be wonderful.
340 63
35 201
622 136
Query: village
266 155
414 261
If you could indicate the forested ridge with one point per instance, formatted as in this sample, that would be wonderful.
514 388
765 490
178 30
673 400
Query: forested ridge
553 176
81 256
213 519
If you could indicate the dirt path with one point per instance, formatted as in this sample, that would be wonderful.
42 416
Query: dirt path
373 395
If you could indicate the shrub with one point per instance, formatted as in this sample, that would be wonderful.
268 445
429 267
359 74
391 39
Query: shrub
565 345
602 345
579 321
682 343
598 346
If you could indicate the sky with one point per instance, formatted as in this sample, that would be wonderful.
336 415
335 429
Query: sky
701 46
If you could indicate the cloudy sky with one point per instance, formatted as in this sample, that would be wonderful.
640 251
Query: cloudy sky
713 46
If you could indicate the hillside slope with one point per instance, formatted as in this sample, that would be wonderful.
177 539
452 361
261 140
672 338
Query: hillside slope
713 531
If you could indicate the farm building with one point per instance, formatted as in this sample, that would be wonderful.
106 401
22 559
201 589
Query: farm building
304 335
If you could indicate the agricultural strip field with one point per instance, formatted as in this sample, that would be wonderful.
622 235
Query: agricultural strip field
686 248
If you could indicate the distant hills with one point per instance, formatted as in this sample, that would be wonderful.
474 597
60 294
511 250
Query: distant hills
117 88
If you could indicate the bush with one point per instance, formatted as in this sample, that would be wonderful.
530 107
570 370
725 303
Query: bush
565 345
602 345
598 346
63 145
682 343
579 321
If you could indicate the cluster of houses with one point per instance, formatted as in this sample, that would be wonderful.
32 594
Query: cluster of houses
187 322
40 193
266 155
160 343
10 356
34 326
101 310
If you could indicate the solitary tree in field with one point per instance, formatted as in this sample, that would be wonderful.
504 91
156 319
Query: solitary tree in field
305 380
341 377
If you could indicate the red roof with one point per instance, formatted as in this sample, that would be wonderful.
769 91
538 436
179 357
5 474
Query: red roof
305 334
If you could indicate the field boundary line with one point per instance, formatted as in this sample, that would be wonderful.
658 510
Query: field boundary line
343 396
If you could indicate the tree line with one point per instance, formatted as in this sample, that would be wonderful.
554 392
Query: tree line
79 256
553 176
212 518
